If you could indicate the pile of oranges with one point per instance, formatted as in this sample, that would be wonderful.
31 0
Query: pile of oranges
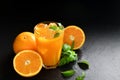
27 61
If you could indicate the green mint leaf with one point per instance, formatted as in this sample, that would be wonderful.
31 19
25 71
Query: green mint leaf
56 35
65 54
72 56
83 64
67 57
68 73
81 77
66 47
53 27
62 61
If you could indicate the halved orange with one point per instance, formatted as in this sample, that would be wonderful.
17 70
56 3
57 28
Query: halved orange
73 33
23 41
27 63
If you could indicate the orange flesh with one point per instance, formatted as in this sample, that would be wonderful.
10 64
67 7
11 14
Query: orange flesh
77 35
27 63
48 46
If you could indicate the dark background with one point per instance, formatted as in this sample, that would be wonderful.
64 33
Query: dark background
100 20
78 12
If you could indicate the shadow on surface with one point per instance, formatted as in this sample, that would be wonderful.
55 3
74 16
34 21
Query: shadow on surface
79 53
7 66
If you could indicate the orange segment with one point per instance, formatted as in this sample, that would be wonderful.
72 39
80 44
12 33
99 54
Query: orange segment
76 34
23 41
27 63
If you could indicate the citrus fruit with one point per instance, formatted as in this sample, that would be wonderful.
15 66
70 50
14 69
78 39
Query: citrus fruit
23 41
27 63
74 34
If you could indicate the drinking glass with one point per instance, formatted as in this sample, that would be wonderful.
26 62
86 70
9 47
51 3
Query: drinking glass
49 38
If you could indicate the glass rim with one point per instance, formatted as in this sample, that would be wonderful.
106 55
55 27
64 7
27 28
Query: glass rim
37 32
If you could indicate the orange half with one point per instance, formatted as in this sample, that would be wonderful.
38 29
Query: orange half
27 63
76 34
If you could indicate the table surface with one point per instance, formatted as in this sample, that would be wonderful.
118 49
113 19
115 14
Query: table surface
101 49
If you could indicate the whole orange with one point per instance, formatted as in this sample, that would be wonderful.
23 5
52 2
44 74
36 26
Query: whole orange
24 41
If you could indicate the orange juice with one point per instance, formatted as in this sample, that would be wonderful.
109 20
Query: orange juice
49 38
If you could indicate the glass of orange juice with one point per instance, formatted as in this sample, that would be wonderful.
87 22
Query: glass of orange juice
49 37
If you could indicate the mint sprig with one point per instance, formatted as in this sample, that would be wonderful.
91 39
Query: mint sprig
53 27
67 55
56 29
